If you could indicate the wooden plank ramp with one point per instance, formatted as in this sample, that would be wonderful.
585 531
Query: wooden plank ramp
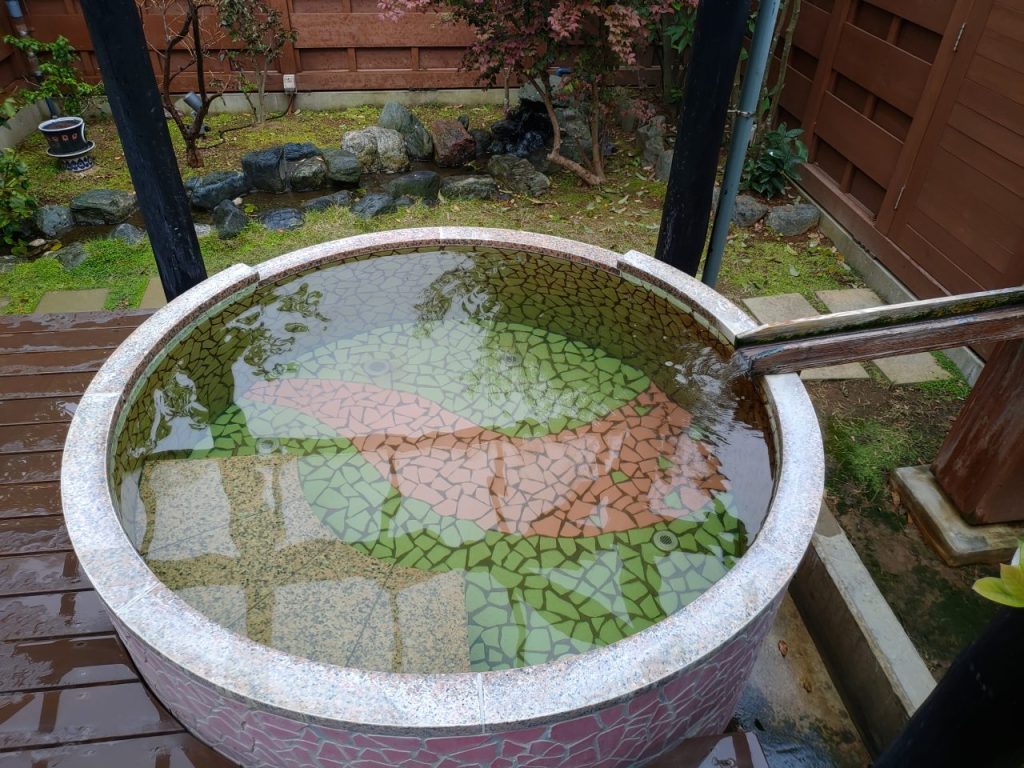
69 694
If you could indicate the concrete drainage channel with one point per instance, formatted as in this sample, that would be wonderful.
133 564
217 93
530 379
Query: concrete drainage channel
877 670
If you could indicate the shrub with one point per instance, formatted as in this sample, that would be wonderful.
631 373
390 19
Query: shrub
16 203
61 79
773 160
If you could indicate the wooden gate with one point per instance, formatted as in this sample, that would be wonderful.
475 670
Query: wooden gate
914 117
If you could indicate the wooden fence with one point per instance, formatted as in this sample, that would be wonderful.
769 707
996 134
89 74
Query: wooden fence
913 112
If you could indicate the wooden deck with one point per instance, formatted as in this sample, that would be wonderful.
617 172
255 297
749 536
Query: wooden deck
69 695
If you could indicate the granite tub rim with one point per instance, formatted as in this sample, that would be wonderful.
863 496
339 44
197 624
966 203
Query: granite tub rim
270 680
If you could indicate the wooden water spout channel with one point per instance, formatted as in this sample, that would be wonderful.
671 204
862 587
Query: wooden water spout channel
887 331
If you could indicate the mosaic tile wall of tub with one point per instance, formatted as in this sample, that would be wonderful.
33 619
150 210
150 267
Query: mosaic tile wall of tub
441 462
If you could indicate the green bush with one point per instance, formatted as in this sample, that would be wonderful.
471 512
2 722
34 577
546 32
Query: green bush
61 79
16 203
773 160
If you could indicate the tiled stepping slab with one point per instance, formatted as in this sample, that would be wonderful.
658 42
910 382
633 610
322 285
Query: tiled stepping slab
791 306
72 301
905 369
154 297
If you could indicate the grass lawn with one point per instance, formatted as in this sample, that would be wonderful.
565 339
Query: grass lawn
870 426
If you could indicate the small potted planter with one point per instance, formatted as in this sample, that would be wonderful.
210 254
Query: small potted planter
67 142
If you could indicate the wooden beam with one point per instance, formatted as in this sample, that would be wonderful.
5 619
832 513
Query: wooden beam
924 336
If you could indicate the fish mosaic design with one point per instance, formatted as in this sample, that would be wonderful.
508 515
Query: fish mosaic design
580 503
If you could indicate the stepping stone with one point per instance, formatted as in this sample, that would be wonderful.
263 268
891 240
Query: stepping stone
154 297
905 369
791 306
72 301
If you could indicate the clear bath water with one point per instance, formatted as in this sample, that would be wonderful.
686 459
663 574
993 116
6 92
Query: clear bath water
443 462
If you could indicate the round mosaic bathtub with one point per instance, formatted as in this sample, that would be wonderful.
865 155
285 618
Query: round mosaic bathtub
451 497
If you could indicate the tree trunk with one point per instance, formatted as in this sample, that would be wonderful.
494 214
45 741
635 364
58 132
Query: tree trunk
554 155
780 81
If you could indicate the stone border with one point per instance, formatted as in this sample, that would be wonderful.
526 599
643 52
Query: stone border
271 681
881 677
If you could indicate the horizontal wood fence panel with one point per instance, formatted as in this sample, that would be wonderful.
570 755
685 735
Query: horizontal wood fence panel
797 93
1009 175
997 77
930 14
989 132
868 147
993 105
369 30
930 258
890 73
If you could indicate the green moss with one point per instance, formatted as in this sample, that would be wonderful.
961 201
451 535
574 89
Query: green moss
862 452
756 265
953 388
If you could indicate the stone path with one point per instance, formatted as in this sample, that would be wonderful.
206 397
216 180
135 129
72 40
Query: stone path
154 297
905 369
72 301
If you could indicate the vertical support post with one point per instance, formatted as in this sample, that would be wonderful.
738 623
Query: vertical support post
743 128
980 466
717 39
120 45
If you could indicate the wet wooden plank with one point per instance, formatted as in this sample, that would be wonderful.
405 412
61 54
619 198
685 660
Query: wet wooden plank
58 341
81 714
32 438
72 321
40 572
46 385
66 614
30 499
30 467
37 410
34 665
31 362
801 354
29 535
178 750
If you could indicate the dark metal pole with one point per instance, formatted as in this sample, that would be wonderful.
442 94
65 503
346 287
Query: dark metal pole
972 717
717 39
117 35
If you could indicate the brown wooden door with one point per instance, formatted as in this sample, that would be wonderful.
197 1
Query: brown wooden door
959 216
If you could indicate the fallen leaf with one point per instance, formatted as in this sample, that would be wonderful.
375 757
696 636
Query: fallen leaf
794 271
783 648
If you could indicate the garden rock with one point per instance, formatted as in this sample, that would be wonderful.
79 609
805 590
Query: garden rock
747 211
404 201
418 144
128 233
219 185
790 220
375 204
663 168
102 206
654 129
453 146
378 149
518 175
653 149
263 169
469 187
229 219
307 174
54 220
342 199
482 137
70 256
295 151
282 218
416 184
343 167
